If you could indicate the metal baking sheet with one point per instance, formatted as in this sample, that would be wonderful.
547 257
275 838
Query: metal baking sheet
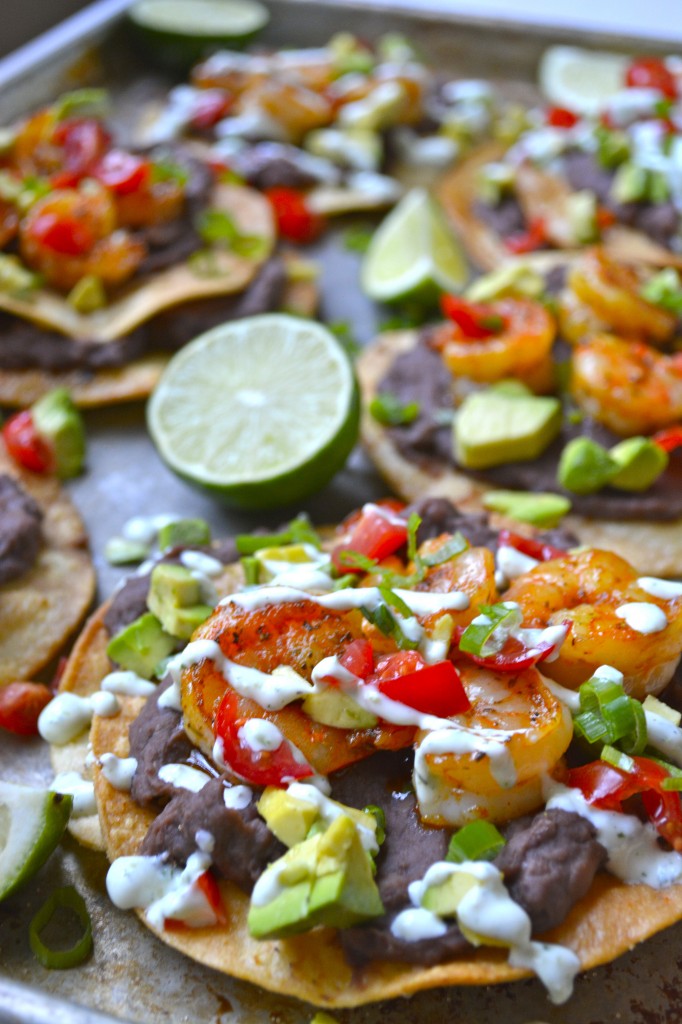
131 976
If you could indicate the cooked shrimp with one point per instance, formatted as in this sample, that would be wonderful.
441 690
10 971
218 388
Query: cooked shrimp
627 385
612 291
491 764
590 590
472 572
577 321
72 232
295 107
298 634
522 349
156 203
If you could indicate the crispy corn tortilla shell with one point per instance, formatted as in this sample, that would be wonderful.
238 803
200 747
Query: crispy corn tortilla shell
42 608
609 921
542 195
146 295
654 548
133 381
86 667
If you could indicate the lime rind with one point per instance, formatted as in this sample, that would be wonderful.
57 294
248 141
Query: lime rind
260 412
581 80
413 254
32 821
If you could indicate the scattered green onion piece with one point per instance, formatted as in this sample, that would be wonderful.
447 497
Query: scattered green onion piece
450 549
82 102
388 410
303 532
377 813
413 523
356 560
167 170
665 290
394 601
486 638
358 238
251 567
299 531
58 959
674 783
217 226
343 582
618 759
608 715
478 840
184 532
385 621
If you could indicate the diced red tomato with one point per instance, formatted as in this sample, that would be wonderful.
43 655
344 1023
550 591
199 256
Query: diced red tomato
25 445
668 439
84 140
606 786
560 117
432 689
211 890
209 108
474 320
514 656
64 235
533 548
260 767
605 218
122 172
20 707
295 220
651 73
528 241
358 658
378 533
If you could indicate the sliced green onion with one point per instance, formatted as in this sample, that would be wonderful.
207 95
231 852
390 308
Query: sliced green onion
489 636
216 227
478 840
413 524
396 602
185 533
303 532
674 783
377 813
356 560
343 582
167 170
456 544
388 410
665 290
618 759
385 621
66 898
608 715
299 531
82 102
357 239
251 567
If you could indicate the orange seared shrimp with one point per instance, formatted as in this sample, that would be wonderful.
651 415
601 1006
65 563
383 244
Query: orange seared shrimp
627 385
491 763
71 233
614 619
612 292
297 634
521 349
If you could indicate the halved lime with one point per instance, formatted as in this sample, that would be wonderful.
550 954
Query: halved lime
260 412
581 80
413 255
32 821
178 32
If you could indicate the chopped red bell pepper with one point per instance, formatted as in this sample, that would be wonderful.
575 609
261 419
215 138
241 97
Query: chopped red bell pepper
261 767
122 172
605 786
474 319
668 439
535 237
533 548
20 707
211 890
295 220
64 235
561 117
25 445
432 689
651 73
514 656
358 658
378 533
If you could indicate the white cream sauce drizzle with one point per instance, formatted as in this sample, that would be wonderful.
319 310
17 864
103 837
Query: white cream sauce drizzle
643 617
329 810
237 797
162 890
68 715
665 590
82 791
118 771
127 684
183 776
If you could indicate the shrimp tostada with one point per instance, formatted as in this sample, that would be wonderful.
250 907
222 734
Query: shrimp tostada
560 392
113 258
47 581
571 178
380 766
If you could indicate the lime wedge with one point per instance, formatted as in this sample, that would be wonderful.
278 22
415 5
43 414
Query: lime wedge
260 412
581 80
32 822
413 254
178 33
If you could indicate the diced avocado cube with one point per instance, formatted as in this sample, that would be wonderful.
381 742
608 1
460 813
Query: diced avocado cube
58 420
585 466
542 509
121 551
581 209
87 295
630 184
141 646
185 533
445 897
511 386
326 879
334 707
288 818
172 588
182 622
492 428
641 462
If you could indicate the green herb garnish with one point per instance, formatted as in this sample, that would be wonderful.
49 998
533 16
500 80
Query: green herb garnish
387 409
